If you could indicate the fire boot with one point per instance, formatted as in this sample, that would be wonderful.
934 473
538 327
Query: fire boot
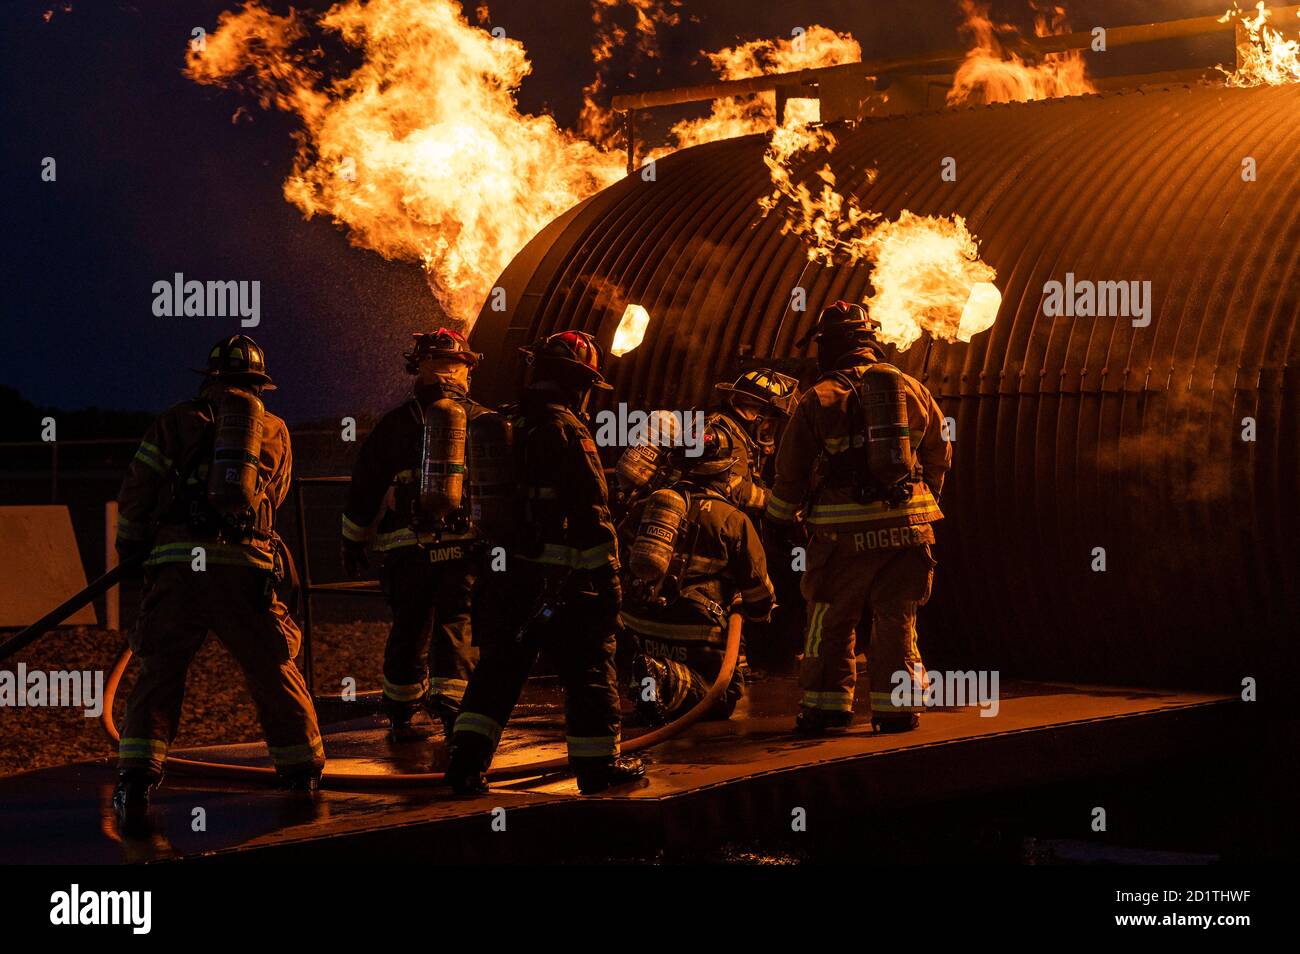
304 782
471 754
444 709
400 716
812 722
902 722
401 730
596 775
651 713
131 799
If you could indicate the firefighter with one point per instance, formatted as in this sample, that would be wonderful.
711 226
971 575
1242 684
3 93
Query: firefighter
560 586
861 465
750 410
428 563
199 499
679 594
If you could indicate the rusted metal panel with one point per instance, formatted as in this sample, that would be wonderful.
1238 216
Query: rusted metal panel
1072 433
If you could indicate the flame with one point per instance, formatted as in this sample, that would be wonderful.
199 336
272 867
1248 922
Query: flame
740 116
926 270
830 223
994 73
981 310
420 151
1267 59
630 331
927 276
597 122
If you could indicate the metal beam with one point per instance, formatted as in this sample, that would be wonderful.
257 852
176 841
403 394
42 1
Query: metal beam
1038 45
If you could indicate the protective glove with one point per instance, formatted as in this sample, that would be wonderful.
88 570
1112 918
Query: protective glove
354 558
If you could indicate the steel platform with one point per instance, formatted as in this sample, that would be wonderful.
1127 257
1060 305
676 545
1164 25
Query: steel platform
740 779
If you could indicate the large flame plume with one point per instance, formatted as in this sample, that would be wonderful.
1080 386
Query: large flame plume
421 151
422 154
817 46
994 72
1267 58
926 270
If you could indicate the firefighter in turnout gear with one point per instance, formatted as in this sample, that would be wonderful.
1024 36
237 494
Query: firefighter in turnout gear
691 554
428 556
751 410
861 464
560 587
200 499
753 407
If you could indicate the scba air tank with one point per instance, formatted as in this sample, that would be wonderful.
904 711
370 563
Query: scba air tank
656 537
236 448
442 461
888 438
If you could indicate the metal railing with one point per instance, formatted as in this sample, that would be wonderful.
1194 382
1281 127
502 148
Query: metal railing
54 453
309 588
303 556
55 460
809 82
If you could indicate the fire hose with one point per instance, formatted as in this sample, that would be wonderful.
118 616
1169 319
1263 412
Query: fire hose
346 780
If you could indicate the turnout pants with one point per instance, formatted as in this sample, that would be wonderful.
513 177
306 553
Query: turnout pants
845 586
430 649
579 639
179 608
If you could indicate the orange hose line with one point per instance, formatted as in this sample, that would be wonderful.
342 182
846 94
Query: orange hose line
352 781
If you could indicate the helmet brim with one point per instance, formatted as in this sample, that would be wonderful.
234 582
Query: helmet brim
714 468
597 379
469 357
765 402
263 380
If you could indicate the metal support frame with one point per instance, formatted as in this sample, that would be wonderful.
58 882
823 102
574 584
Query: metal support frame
309 589
938 60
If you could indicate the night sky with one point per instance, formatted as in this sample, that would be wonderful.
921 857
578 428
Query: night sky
154 178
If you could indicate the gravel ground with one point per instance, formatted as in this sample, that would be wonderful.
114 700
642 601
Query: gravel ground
217 707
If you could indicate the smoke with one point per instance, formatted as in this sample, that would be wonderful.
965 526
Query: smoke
1187 435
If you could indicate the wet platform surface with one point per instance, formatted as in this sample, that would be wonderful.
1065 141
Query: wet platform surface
721 780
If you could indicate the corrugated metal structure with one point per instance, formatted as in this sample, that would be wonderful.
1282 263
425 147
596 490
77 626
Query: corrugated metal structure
1072 433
